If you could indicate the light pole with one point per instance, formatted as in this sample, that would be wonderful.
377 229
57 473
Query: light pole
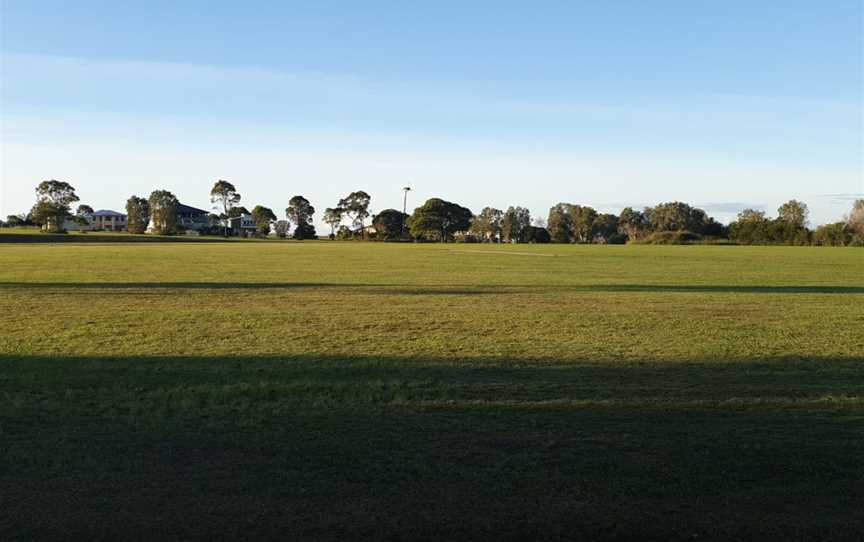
405 189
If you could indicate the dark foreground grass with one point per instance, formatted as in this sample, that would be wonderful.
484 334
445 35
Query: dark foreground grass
322 448
333 392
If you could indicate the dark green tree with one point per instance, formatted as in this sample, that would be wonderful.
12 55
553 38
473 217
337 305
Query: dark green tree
300 211
537 234
583 223
439 219
632 223
137 214
263 218
605 228
389 224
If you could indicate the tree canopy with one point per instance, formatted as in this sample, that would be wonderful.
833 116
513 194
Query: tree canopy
356 206
137 214
333 218
263 218
163 211
439 219
53 204
389 224
225 195
794 213
300 211
487 224
515 222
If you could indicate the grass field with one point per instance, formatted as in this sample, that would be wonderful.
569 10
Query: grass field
339 391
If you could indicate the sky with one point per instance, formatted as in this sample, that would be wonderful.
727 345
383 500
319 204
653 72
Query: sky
722 104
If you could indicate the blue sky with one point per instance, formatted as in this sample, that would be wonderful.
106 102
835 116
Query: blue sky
721 104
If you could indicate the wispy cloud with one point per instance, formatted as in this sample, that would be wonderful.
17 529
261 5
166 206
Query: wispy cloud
843 198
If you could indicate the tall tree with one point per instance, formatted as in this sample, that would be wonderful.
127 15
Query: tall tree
632 223
163 211
583 222
605 228
676 216
751 227
356 206
224 195
333 217
263 218
238 212
794 213
832 235
439 219
137 214
560 223
53 201
515 224
487 224
389 224
300 211
282 227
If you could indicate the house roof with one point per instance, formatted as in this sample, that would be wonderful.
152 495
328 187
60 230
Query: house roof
188 210
106 212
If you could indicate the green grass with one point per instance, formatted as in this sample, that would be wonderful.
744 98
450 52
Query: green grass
337 391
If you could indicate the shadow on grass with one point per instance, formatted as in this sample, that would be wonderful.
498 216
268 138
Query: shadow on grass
445 290
481 379
330 448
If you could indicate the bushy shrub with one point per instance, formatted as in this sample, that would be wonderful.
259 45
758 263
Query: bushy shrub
832 235
671 238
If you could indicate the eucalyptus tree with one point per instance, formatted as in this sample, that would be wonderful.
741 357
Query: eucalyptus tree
53 204
263 218
356 207
333 218
224 195
515 224
487 224
300 211
137 214
560 223
163 211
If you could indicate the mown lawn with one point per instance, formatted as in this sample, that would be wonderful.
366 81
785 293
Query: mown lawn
339 391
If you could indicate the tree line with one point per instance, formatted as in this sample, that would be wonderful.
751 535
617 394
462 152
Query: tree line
439 220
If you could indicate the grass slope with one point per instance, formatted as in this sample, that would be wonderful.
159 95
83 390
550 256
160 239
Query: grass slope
359 390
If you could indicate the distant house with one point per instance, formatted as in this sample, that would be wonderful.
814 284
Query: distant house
192 218
108 220
101 220
242 226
